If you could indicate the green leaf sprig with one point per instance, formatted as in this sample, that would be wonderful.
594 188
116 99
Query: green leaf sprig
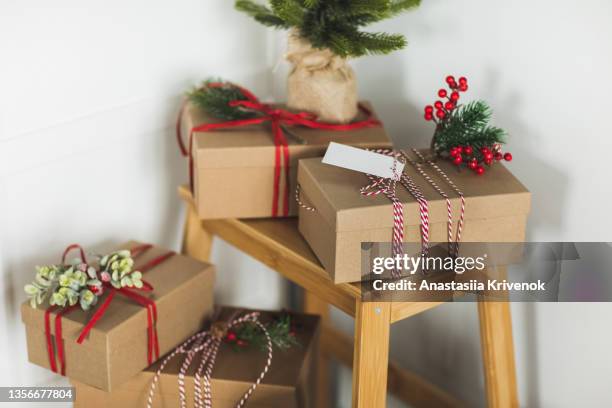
66 285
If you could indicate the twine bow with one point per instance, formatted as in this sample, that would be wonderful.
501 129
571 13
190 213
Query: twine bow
152 341
207 343
277 118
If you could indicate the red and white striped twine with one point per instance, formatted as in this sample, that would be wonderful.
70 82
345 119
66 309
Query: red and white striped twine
387 186
300 202
414 190
453 247
208 344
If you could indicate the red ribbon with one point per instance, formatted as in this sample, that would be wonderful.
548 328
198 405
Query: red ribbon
152 344
277 118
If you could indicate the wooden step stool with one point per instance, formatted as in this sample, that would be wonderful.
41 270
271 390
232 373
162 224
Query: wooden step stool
278 244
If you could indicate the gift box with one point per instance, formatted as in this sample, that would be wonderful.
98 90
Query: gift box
289 382
128 328
240 171
496 210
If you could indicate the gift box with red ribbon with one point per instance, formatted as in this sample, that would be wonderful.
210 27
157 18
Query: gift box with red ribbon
226 366
247 168
102 319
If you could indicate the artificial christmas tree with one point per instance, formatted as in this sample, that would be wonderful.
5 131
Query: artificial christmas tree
323 35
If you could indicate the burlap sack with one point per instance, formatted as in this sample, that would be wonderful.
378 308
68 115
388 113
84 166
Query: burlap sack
320 82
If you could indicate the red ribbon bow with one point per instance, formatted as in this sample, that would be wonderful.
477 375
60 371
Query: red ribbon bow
152 344
277 118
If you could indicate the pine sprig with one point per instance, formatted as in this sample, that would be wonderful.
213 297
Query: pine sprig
311 3
214 98
463 133
280 331
380 43
468 126
400 6
334 24
290 11
261 14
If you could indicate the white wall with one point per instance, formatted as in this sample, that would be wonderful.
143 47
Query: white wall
88 95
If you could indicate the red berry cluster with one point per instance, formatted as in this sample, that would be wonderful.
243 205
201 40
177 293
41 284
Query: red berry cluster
232 337
465 154
443 109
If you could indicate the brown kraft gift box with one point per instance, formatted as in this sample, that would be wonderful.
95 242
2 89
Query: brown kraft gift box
497 206
234 168
116 348
290 382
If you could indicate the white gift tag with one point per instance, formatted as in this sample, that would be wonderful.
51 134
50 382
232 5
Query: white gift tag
361 160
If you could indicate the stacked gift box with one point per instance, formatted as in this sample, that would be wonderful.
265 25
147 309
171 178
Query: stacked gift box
152 314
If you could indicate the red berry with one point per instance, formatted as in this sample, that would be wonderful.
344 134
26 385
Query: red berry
449 105
508 157
438 104
458 160
429 108
468 150
454 96
488 156
231 336
485 150
450 79
463 87
473 164
488 161
462 80
453 152
440 114
498 156
428 116
459 149
442 93
480 170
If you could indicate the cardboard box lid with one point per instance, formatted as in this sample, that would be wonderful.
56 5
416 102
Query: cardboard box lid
124 317
334 192
244 365
253 146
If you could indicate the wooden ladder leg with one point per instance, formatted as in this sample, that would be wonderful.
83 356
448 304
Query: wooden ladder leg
371 354
197 241
498 354
314 305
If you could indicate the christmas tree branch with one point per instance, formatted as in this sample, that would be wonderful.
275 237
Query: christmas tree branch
334 24
400 6
290 11
261 14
